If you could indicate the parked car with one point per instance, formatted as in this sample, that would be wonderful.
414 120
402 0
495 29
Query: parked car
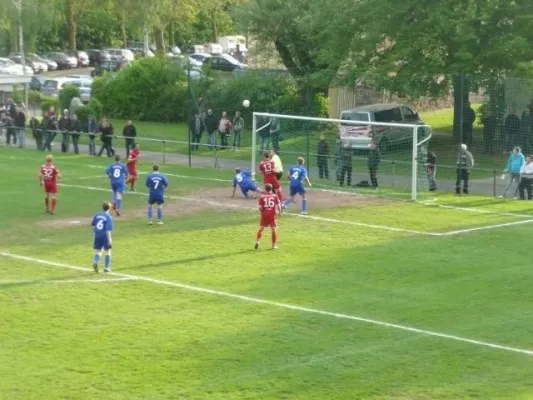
97 56
8 66
52 65
359 136
53 87
17 59
63 61
140 53
81 57
224 62
121 54
109 66
37 82
200 57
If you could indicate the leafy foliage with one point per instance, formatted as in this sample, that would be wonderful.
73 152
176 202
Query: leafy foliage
83 113
67 93
96 109
47 102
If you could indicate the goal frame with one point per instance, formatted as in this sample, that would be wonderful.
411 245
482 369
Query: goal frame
414 127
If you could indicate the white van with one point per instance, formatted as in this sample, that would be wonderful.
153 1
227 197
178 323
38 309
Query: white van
213 48
230 43
121 54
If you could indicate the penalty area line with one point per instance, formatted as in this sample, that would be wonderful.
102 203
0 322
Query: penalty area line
52 281
286 306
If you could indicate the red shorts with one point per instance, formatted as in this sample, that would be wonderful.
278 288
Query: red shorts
268 221
50 187
132 172
273 180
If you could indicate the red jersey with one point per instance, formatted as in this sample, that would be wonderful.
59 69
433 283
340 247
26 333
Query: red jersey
133 157
49 173
268 204
268 168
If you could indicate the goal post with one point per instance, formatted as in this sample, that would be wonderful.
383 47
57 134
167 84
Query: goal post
340 148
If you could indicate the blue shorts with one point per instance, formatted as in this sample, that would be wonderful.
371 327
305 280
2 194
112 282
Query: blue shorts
296 189
101 242
117 187
249 188
156 199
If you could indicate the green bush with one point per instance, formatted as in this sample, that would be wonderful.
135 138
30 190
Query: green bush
67 93
47 102
96 109
149 90
83 113
34 96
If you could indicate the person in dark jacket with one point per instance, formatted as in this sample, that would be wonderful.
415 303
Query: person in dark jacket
11 109
197 127
469 116
20 125
36 132
511 130
106 136
346 165
45 130
322 158
374 158
75 132
11 133
431 170
63 127
91 128
211 125
130 133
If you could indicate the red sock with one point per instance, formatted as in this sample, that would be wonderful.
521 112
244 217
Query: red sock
54 203
46 203
259 235
274 238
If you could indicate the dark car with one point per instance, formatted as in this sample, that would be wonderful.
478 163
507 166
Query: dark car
224 62
37 82
63 61
81 56
97 56
109 66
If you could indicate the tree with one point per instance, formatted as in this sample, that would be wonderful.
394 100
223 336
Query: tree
74 11
312 40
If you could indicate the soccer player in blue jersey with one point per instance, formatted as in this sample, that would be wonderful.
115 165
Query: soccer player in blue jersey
117 173
102 224
156 182
243 179
297 176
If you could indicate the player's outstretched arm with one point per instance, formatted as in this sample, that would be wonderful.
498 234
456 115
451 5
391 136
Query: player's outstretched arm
308 181
234 190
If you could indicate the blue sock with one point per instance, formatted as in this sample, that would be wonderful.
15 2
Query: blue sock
96 258
159 214
150 213
119 204
286 203
107 260
304 205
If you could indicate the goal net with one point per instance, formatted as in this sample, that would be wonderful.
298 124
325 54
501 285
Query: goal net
352 153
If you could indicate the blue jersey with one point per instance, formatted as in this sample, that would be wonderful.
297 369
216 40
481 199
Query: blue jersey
156 182
243 180
102 223
297 174
117 172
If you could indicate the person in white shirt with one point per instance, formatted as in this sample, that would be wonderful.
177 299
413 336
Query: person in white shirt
526 179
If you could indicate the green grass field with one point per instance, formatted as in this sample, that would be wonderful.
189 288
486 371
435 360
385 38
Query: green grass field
366 299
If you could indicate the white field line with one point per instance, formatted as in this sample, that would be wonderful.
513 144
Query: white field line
287 306
488 227
234 206
481 211
70 281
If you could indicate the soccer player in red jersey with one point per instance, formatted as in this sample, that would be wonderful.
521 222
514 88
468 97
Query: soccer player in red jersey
49 179
268 168
269 206
132 162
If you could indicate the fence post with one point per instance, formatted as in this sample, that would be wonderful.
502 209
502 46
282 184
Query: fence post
164 152
494 183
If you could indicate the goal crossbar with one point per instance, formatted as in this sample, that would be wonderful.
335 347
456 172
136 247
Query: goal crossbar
414 127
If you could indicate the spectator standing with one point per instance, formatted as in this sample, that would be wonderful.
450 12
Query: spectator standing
36 132
106 136
11 109
431 170
275 130
238 126
91 129
211 124
64 128
527 129
196 126
511 130
278 165
20 124
469 116
489 132
346 165
45 130
526 179
465 162
513 168
11 133
75 132
374 158
130 133
322 158
224 129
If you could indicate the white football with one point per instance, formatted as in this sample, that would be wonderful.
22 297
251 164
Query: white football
246 103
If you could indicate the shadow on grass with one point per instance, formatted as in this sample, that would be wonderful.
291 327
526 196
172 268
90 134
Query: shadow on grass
25 283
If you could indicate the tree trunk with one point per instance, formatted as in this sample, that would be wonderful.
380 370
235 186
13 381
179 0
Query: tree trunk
171 36
160 41
13 36
123 32
71 25
461 89
214 28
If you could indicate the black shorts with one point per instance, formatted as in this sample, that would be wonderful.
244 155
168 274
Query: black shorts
279 175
